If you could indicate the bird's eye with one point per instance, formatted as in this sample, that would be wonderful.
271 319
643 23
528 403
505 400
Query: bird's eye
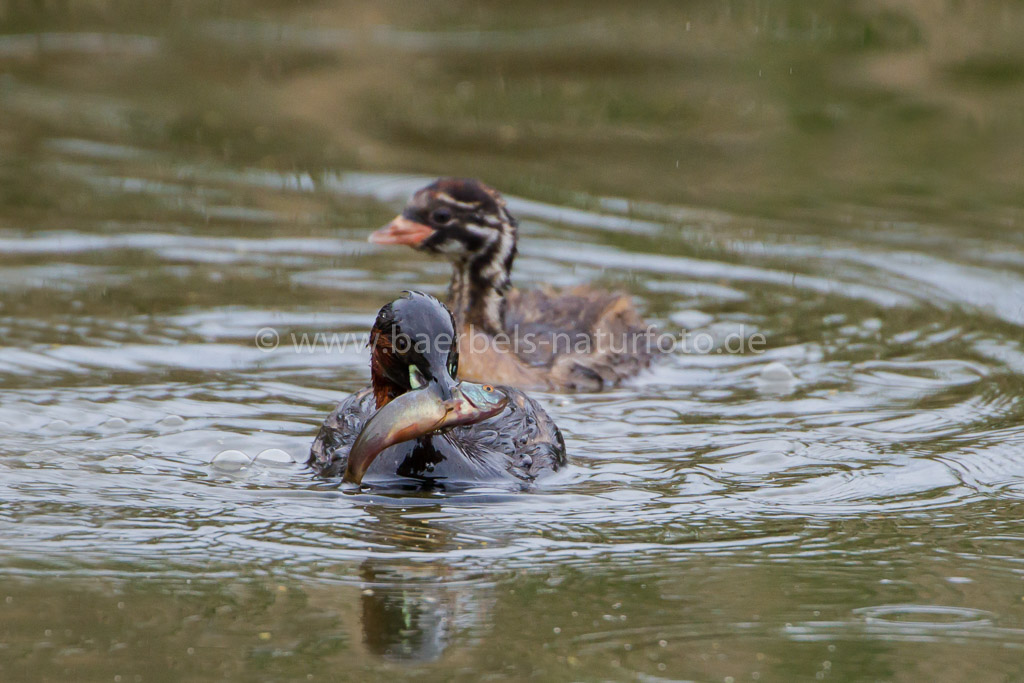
441 216
452 369
415 377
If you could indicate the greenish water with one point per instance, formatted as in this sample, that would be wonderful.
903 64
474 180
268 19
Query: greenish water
843 179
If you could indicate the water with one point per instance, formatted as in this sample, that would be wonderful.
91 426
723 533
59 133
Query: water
843 181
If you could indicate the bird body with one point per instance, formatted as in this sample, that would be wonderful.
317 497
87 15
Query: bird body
578 339
515 447
416 426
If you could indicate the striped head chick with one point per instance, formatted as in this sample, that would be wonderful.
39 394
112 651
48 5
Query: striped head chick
468 223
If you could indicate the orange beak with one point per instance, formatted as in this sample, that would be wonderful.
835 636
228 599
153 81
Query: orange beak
402 231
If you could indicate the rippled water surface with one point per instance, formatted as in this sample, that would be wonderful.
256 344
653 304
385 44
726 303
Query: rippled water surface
844 181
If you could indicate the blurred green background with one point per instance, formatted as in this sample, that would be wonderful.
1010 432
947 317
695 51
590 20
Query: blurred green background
768 107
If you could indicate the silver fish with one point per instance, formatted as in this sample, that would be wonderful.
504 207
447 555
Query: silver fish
420 412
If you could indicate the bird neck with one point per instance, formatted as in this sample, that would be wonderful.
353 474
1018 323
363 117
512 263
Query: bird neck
384 390
479 284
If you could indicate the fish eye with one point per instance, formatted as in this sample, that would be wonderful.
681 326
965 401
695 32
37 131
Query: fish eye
441 216
488 388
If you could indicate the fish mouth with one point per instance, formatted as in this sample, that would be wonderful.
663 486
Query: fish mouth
418 413
402 230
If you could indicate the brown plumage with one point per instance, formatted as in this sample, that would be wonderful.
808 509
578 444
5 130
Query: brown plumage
581 339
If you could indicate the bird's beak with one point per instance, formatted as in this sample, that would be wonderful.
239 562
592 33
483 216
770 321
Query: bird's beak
402 230
417 413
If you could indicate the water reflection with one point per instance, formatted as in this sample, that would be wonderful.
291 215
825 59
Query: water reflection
412 612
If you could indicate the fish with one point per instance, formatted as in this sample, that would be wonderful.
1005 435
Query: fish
417 413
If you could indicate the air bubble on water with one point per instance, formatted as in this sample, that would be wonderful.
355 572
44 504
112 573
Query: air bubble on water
172 421
230 460
275 457
776 378
115 424
58 427
776 372
121 460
